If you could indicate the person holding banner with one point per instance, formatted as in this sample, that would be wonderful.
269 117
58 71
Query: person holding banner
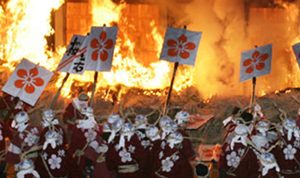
85 138
73 111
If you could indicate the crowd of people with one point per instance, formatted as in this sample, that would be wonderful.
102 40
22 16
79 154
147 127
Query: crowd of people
79 147
254 147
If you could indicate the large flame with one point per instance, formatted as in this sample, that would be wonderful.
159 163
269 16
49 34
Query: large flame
228 29
127 69
25 25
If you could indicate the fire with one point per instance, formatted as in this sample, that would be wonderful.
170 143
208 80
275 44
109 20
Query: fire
127 70
25 25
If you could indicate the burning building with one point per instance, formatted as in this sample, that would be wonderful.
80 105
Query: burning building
228 27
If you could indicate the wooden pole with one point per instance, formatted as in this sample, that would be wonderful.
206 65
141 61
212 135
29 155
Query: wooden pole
59 90
171 88
94 89
253 90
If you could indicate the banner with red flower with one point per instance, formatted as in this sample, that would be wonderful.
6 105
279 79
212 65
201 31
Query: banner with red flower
27 82
180 45
100 49
73 60
256 62
296 49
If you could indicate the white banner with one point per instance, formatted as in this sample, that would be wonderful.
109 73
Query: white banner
73 60
180 45
27 82
256 62
100 49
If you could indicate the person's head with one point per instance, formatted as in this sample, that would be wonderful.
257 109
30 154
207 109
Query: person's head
289 124
247 117
48 115
152 133
182 118
116 122
262 127
20 121
81 101
127 129
140 122
165 123
241 130
175 138
83 97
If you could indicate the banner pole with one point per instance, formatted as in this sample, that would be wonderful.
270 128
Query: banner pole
58 91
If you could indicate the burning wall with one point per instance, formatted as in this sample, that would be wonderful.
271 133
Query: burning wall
232 26
228 27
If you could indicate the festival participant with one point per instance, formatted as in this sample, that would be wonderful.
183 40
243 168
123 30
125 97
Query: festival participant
170 157
257 112
83 134
230 122
152 133
263 144
73 111
237 158
96 150
288 153
141 124
112 127
182 118
126 156
23 149
52 161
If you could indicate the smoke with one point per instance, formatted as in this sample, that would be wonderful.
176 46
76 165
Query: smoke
232 26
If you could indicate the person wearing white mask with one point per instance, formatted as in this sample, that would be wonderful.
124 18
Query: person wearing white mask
237 156
74 110
85 135
23 149
126 156
263 143
288 153
52 161
141 124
